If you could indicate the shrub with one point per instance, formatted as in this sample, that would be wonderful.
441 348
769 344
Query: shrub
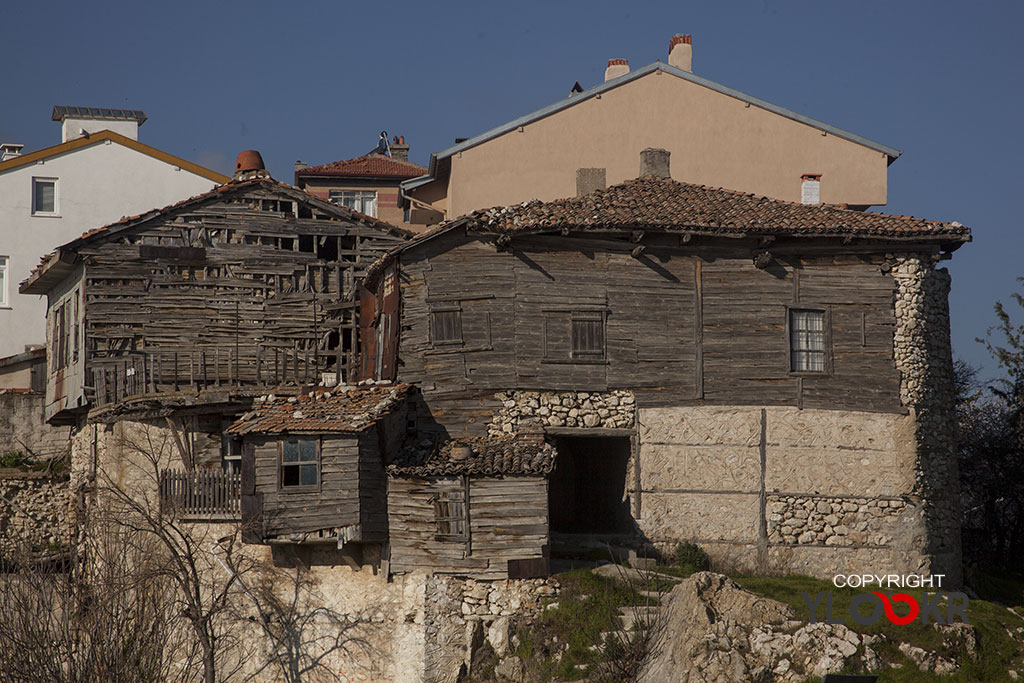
12 459
691 557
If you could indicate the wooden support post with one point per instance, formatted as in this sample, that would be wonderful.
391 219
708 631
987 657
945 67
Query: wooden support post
698 329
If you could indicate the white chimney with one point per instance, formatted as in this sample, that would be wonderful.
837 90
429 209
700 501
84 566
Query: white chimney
616 68
79 122
9 150
680 52
810 188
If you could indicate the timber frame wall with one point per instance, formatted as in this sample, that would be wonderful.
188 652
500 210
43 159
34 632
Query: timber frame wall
252 287
683 323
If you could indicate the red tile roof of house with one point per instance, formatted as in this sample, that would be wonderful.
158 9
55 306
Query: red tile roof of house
370 165
342 409
662 204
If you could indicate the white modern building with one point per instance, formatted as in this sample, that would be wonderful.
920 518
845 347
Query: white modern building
99 173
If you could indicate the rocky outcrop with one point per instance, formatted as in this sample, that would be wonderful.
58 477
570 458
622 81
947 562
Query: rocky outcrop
716 631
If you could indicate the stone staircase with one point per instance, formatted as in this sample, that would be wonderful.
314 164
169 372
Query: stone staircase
635 619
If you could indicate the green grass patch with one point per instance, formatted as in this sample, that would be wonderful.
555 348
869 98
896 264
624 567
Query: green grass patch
587 606
999 650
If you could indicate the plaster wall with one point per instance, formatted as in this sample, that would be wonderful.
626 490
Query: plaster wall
784 489
22 427
96 185
715 140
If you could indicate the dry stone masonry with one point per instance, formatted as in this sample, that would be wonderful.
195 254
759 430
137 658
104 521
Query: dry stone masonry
922 353
34 511
833 521
614 409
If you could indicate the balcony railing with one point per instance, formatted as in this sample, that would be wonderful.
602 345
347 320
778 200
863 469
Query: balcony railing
212 495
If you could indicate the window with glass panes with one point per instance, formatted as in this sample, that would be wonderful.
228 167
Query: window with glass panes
44 195
363 201
807 352
300 465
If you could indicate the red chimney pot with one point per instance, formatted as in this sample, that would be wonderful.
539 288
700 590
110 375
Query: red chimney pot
613 62
249 160
685 38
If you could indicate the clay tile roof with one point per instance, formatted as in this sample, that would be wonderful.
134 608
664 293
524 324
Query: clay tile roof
492 456
371 165
662 204
342 409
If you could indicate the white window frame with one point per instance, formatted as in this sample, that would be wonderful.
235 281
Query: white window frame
5 277
56 196
363 201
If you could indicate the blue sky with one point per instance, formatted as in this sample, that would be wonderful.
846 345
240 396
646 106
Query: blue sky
317 81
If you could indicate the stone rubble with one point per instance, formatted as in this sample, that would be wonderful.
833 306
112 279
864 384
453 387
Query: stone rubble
716 631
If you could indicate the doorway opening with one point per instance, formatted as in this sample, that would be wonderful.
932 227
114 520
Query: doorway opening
586 491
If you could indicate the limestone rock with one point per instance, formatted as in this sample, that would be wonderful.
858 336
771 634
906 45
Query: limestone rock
716 631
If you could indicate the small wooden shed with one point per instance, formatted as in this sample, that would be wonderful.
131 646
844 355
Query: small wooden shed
477 508
313 465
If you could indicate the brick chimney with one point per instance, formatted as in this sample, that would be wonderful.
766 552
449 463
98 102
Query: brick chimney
680 51
616 68
399 150
654 162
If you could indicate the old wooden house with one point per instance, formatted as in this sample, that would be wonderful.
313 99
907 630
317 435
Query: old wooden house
769 379
313 465
474 507
206 302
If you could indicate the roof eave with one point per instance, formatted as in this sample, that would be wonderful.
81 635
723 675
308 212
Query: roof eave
56 269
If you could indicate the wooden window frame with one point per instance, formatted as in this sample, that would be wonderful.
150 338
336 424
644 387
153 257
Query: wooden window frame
446 308
299 488
827 331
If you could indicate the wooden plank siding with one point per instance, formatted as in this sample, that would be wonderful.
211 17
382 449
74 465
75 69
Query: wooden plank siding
250 289
337 503
508 520
671 339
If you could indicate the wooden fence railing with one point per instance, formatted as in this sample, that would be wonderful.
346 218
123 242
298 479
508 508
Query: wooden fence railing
212 494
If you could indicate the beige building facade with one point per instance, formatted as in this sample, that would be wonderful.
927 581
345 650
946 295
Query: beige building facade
718 137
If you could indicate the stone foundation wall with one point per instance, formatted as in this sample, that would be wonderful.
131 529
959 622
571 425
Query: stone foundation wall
761 488
34 513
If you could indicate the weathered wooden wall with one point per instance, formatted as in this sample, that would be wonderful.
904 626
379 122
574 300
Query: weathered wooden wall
508 520
336 504
252 289
685 325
